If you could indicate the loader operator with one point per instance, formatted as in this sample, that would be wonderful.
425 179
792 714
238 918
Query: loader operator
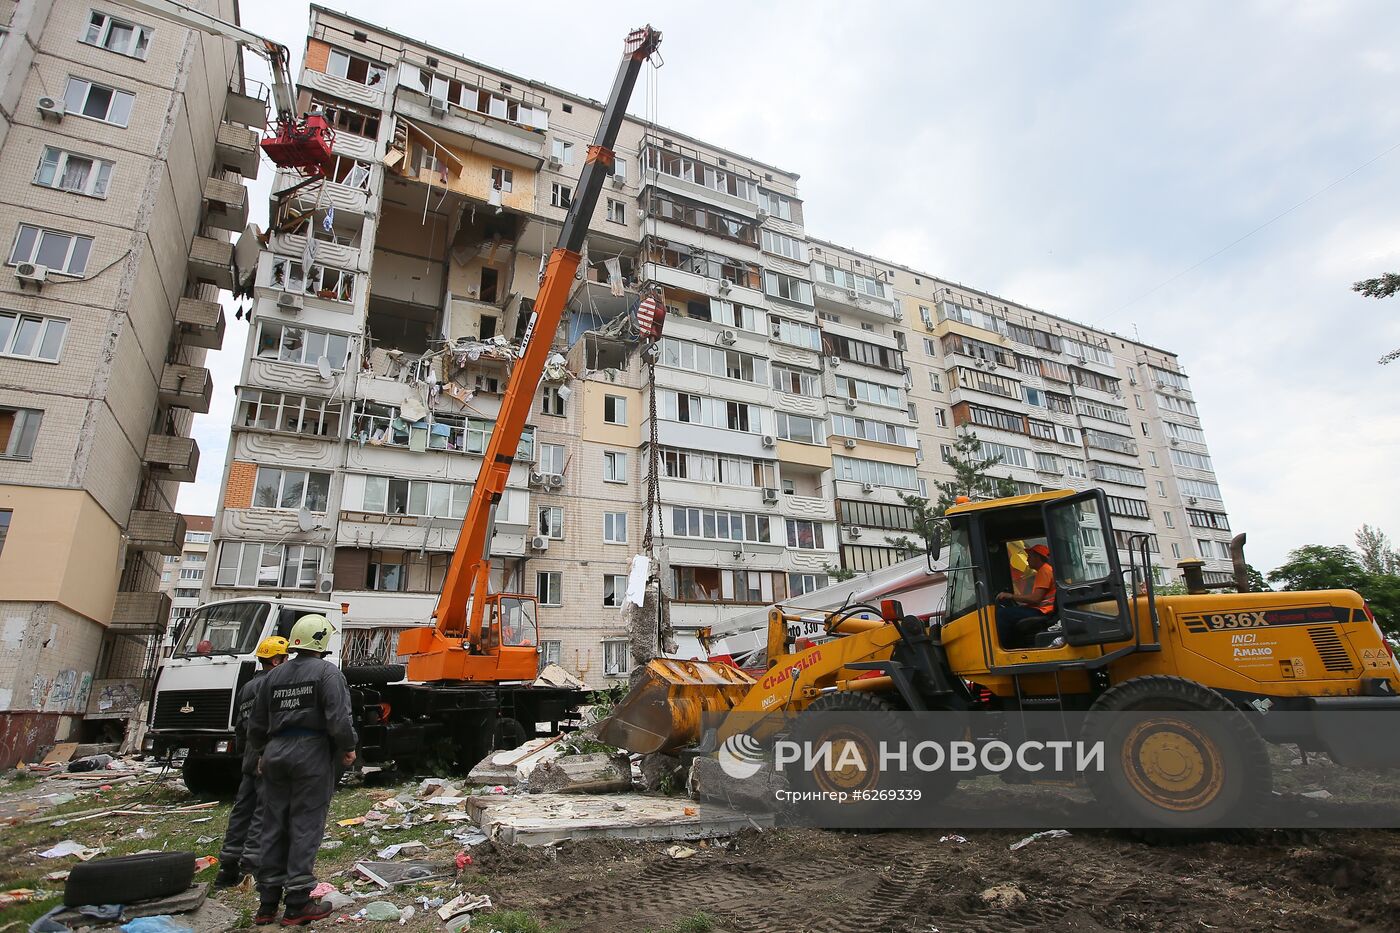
243 838
1021 616
302 729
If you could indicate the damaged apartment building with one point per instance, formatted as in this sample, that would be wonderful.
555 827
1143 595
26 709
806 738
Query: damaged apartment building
799 388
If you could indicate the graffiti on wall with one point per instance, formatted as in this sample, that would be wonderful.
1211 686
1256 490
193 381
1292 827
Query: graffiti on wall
65 692
114 697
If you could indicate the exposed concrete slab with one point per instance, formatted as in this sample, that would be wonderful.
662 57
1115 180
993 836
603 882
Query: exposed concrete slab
548 819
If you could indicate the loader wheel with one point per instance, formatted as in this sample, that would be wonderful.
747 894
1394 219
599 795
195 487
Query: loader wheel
1205 767
853 725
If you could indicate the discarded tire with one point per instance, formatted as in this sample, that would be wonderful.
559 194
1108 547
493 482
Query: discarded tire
367 675
129 878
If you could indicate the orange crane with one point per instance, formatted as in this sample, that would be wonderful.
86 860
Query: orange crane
478 635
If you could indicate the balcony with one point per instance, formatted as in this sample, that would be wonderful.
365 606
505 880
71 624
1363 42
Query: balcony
225 204
246 109
236 148
173 457
150 530
183 386
140 613
211 261
843 299
201 323
344 198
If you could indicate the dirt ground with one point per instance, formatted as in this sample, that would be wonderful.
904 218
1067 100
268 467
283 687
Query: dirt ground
802 881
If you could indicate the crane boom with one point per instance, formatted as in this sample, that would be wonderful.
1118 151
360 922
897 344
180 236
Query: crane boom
455 648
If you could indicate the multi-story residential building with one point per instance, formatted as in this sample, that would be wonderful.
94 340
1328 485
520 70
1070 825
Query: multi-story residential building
124 142
182 574
798 390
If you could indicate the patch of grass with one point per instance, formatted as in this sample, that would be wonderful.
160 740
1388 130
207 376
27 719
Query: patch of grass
509 921
698 922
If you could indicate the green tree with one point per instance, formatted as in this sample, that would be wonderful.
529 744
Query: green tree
1257 582
1382 286
971 478
1377 555
1338 567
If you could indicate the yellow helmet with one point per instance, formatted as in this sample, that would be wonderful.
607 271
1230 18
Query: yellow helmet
271 647
311 633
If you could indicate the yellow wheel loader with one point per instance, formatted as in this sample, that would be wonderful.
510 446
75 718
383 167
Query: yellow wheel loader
1107 644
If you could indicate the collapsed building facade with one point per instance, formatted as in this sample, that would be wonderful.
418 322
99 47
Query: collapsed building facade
800 389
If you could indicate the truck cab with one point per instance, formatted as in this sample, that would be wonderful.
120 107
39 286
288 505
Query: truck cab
192 708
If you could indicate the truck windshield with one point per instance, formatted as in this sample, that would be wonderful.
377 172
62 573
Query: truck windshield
227 628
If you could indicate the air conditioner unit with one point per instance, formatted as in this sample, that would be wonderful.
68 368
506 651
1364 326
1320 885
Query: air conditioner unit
1192 500
539 543
1174 441
852 294
834 362
724 286
554 162
644 214
770 494
325 583
537 478
728 337
52 108
618 181
32 272
761 216
438 106
769 441
853 531
850 443
851 403
289 301
555 480
867 487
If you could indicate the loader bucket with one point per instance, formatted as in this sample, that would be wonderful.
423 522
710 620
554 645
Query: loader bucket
664 710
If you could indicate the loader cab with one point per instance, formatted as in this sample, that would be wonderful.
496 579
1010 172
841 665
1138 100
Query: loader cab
988 549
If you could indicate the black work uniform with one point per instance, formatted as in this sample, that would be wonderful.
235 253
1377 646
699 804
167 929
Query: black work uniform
301 724
242 838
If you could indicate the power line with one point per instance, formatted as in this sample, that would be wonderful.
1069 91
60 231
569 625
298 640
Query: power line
1235 242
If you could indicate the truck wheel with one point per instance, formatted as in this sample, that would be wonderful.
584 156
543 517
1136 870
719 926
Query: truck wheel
212 777
373 675
874 797
1205 768
128 878
509 734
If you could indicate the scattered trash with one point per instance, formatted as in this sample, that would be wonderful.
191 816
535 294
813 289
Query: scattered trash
161 924
1047 834
208 861
462 860
391 852
406 915
1318 794
321 890
57 875
464 904
1004 896
352 821
955 839
17 896
90 763
389 874
381 910
468 838
332 844
690 811
679 852
204 840
69 847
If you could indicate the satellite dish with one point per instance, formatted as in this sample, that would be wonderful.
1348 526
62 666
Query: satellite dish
323 367
305 520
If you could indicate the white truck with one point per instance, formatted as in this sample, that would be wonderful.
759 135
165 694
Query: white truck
454 724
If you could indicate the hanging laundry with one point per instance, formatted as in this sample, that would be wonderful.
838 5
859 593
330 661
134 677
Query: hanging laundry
328 222
308 256
614 267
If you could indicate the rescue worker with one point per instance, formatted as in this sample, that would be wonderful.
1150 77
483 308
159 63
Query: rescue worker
239 856
1020 616
302 729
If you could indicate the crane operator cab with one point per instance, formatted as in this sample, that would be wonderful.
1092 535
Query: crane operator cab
1035 579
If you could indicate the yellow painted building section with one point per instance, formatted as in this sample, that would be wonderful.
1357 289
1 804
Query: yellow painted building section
595 429
874 450
474 178
967 330
61 547
805 454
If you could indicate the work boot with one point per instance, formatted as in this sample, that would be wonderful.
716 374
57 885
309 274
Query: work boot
299 915
230 873
269 899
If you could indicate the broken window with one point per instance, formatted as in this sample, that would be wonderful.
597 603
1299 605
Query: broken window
804 535
502 179
615 409
617 657
289 344
551 402
295 414
562 151
550 522
117 35
345 117
617 211
323 282
561 195
708 584
354 68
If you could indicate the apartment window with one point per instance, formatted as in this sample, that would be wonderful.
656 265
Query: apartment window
67 171
775 204
614 466
619 168
801 429
302 345
295 414
19 428
714 361
796 381
614 527
165 577
923 488
789 488
117 35
354 68
1137 400
187 593
502 179
550 652
800 584
1152 457
322 281
551 402
945 451
721 525
392 496
940 417
1167 520
98 102
783 245
1161 489
617 657
551 458
251 564
561 195
65 253
871 430
804 535
877 472
551 522
190 558
549 587
563 151
5 515
794 332
291 489
614 589
615 409
913 413
872 392
617 211
787 287
31 336
724 469
191 574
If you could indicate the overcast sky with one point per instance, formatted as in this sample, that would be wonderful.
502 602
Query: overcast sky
1075 157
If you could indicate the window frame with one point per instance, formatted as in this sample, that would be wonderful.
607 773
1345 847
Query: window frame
37 248
140 35
100 171
24 434
551 594
80 111
615 466
610 527
618 403
10 334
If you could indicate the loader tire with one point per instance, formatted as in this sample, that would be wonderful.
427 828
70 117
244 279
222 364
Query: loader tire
1206 769
373 675
128 878
875 797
